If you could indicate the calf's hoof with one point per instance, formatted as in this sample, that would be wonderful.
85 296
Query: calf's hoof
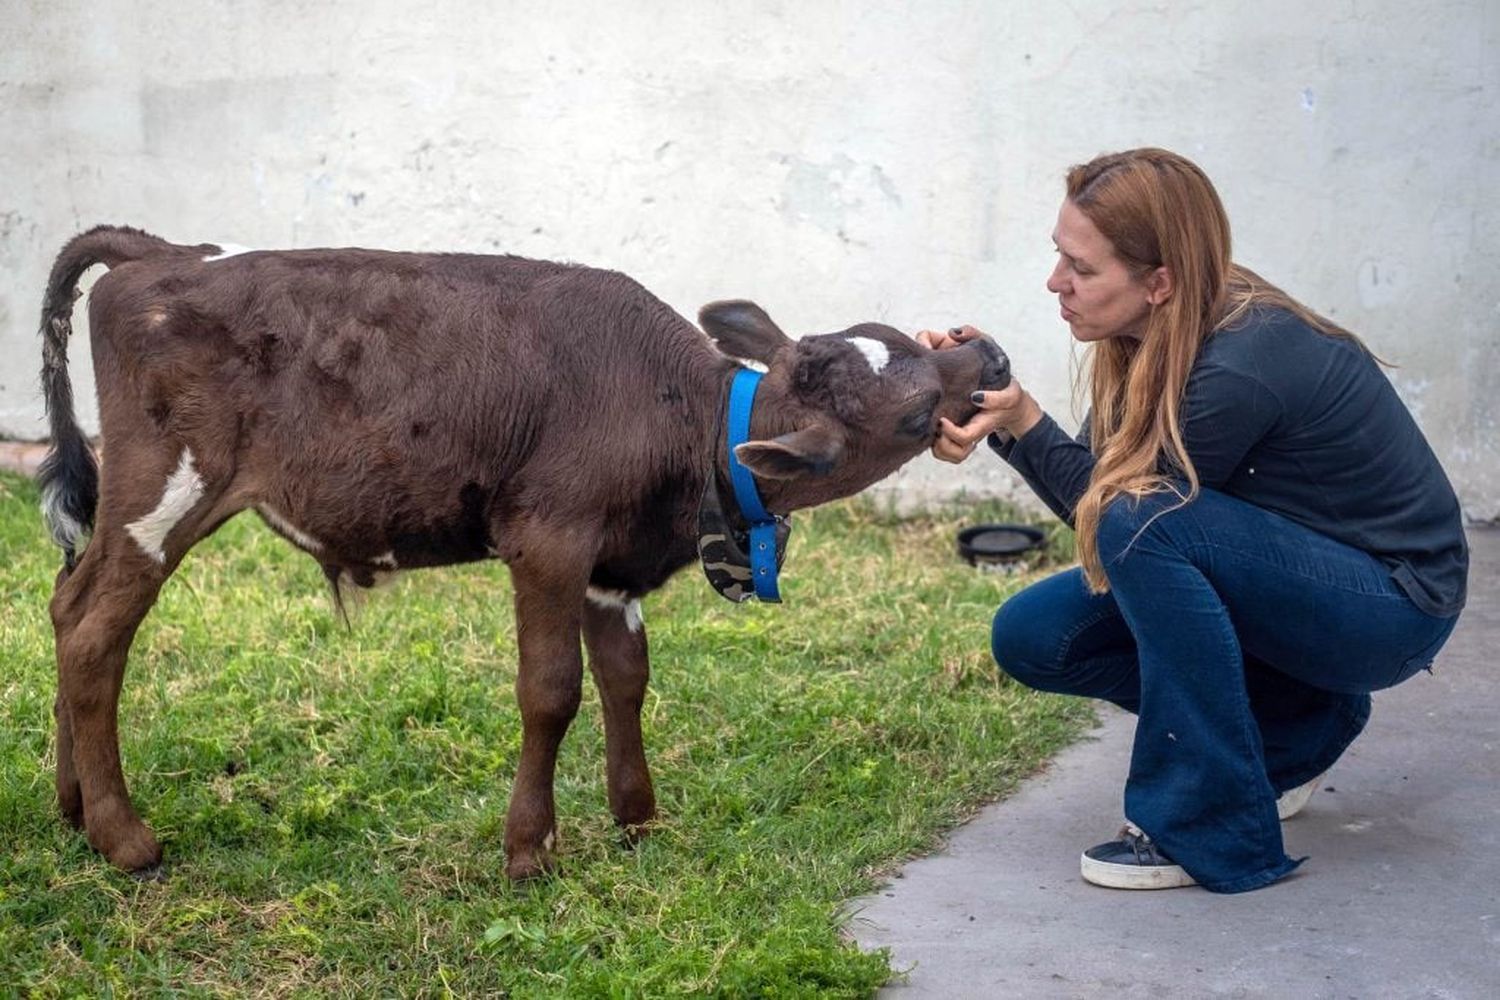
632 834
115 832
525 867
523 863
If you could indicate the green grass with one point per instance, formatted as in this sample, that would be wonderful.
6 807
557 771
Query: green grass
332 801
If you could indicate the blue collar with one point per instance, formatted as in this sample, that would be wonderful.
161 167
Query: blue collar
762 524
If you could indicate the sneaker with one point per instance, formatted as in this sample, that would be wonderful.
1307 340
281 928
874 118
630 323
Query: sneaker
1290 802
1132 862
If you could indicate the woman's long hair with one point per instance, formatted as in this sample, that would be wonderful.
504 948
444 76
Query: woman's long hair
1157 209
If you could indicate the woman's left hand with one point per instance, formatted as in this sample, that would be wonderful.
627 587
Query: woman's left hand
1011 410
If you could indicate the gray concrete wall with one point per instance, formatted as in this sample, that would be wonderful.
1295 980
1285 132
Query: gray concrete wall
834 161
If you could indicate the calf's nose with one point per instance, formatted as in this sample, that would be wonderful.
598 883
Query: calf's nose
995 373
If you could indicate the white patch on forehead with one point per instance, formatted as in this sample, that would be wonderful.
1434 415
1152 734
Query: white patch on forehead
619 599
298 537
228 250
184 489
876 353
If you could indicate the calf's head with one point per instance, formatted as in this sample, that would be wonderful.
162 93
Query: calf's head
839 411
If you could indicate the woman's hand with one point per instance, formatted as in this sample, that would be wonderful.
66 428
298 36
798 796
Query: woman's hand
1010 410
940 341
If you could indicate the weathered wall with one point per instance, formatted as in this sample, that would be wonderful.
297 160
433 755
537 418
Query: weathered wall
835 161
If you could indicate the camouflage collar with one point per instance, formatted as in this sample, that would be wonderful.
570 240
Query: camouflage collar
724 544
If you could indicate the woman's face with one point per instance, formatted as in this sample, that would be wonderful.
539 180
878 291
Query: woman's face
1099 295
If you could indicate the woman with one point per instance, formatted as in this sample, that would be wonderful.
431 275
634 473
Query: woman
1265 537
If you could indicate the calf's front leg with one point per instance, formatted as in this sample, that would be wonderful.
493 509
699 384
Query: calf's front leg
618 659
548 688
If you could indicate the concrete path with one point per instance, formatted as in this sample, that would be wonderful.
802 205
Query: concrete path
21 456
1400 896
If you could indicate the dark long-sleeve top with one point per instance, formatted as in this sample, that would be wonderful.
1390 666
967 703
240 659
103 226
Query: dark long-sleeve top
1305 425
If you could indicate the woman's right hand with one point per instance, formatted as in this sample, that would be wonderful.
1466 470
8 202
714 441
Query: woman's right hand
939 340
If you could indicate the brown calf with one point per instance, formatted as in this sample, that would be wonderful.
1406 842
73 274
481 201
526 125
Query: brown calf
387 411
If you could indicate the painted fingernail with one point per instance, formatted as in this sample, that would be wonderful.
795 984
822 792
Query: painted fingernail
976 398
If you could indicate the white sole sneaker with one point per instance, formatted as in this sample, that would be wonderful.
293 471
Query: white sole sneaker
1131 862
1113 876
1292 801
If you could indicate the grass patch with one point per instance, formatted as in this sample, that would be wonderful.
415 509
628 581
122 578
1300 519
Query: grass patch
332 802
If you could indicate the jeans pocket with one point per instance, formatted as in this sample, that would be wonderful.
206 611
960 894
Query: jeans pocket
1423 659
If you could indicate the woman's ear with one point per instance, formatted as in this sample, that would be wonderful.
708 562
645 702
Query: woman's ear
1159 285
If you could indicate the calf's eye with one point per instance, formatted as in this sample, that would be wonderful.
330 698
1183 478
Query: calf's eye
917 423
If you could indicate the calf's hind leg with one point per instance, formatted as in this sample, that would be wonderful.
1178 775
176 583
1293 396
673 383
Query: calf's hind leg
149 516
95 613
69 795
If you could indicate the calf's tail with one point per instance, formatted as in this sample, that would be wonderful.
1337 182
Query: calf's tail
69 474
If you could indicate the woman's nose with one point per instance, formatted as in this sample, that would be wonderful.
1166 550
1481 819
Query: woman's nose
1055 283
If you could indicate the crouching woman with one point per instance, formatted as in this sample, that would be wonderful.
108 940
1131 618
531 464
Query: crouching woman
1265 537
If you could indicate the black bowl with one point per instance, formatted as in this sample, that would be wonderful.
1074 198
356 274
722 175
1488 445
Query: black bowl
994 543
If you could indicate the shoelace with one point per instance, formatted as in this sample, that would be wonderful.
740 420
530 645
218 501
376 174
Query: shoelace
1141 845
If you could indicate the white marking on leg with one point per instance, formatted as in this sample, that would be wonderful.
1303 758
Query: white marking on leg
228 250
608 598
876 353
627 605
184 489
388 560
295 534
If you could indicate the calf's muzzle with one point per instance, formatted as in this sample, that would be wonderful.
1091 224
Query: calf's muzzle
995 373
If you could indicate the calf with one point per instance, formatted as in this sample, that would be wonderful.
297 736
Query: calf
385 411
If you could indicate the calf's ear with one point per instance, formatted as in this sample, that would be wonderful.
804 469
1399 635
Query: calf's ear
741 329
807 451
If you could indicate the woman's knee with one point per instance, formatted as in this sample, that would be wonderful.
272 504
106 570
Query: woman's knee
1030 636
1015 646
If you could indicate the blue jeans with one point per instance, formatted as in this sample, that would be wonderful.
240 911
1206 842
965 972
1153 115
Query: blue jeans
1248 646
